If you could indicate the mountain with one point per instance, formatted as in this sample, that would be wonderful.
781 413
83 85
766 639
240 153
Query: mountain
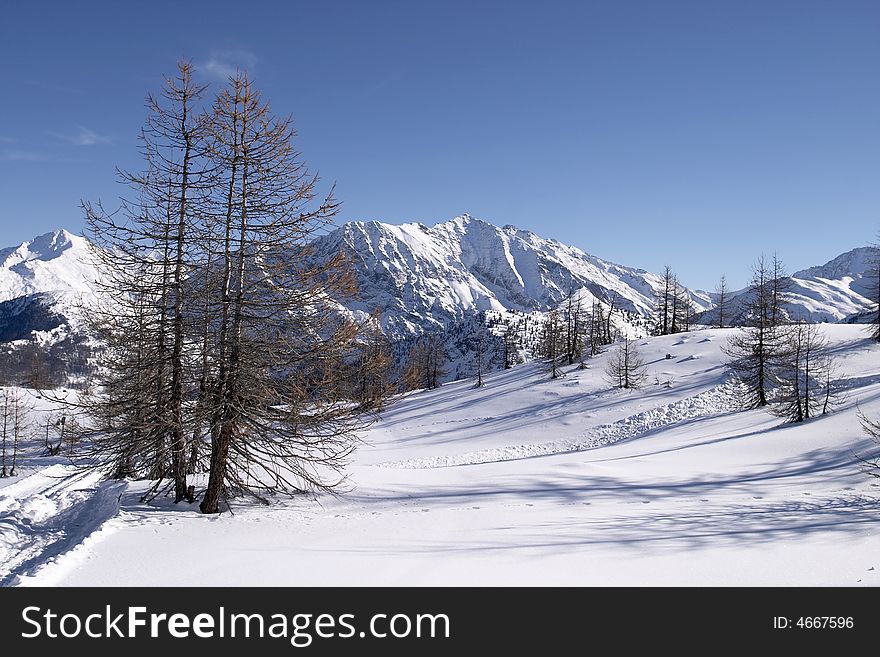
432 279
42 281
839 290
427 279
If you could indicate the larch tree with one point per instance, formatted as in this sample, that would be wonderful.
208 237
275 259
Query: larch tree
424 364
146 250
373 364
626 368
663 296
223 345
553 342
509 345
574 327
279 418
780 286
803 374
480 348
756 347
723 293
5 426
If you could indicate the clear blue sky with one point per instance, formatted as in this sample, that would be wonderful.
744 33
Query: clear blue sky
690 133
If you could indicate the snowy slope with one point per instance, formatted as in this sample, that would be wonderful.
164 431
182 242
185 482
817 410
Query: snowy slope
429 278
503 485
835 290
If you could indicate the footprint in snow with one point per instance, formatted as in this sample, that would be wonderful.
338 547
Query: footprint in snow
425 510
704 500
475 507
646 501
757 497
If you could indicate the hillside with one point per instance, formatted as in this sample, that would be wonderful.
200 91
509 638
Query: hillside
525 481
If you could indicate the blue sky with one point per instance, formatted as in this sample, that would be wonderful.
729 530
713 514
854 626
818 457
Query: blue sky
694 134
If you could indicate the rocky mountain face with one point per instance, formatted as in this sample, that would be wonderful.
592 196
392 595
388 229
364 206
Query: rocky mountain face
426 279
431 280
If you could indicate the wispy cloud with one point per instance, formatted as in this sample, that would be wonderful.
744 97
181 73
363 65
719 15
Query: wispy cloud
83 136
18 155
223 63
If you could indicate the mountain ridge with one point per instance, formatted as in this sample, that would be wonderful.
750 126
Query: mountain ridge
427 279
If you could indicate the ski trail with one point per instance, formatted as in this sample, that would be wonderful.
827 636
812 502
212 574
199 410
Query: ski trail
48 513
716 401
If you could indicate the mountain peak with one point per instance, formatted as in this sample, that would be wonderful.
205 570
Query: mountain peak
51 245
54 262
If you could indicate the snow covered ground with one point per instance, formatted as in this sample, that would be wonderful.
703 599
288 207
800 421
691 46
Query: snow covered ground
525 481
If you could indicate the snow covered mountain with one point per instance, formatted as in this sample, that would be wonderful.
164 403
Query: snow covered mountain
429 278
839 290
836 290
42 281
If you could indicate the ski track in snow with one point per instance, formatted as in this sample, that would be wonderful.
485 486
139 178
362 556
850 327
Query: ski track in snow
716 401
48 513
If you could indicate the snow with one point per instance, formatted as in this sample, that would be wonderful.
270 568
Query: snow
831 292
57 265
526 481
428 278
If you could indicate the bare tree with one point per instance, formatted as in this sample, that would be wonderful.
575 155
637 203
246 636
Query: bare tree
224 346
723 293
480 349
509 343
803 373
424 365
149 252
754 349
870 464
15 412
598 324
373 365
552 343
5 426
279 419
683 308
574 327
780 286
663 298
626 368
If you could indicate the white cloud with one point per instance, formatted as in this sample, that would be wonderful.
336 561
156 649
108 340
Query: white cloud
17 155
223 63
82 137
